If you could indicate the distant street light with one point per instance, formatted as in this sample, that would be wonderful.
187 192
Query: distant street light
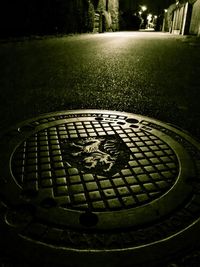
143 8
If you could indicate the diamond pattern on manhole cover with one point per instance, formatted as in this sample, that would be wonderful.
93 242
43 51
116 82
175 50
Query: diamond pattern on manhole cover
89 181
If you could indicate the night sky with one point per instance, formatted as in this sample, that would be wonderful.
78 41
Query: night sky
155 6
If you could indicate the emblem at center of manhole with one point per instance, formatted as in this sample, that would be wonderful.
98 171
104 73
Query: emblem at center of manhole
103 155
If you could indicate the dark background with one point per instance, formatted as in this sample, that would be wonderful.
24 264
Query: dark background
33 17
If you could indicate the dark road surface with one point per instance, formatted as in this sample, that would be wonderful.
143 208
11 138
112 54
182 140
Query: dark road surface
148 73
153 74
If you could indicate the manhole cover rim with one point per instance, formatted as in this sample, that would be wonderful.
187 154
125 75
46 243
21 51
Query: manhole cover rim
150 208
167 248
186 233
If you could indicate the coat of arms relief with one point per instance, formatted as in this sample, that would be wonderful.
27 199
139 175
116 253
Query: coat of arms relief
102 155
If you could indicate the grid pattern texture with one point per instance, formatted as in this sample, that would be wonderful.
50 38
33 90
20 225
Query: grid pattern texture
152 168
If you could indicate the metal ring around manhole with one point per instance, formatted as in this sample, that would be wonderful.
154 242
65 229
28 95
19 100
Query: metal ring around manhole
117 181
20 216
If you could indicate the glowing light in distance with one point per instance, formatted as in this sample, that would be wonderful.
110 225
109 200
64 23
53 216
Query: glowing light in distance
144 8
149 17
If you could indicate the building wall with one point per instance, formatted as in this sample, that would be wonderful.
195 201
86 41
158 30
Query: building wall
184 17
107 16
178 22
113 8
168 21
179 16
195 20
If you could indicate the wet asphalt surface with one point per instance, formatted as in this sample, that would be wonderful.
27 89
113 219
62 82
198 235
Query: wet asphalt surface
148 73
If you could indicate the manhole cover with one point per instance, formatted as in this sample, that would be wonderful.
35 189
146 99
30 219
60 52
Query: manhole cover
90 186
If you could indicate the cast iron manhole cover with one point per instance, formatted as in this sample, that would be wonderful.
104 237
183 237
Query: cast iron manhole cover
90 186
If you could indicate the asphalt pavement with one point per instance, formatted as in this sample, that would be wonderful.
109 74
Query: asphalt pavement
149 73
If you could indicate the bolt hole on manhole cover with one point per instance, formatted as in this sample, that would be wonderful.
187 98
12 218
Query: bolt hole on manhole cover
88 219
94 187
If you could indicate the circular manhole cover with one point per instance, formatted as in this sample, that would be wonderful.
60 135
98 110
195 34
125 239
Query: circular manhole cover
91 186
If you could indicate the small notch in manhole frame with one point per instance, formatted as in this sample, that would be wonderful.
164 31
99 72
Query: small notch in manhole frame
121 123
26 128
88 219
132 120
98 118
